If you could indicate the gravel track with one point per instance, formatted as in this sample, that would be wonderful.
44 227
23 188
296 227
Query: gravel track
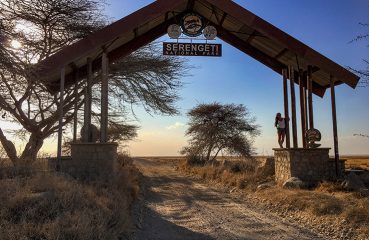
176 206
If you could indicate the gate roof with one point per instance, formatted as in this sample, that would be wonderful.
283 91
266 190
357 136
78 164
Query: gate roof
236 26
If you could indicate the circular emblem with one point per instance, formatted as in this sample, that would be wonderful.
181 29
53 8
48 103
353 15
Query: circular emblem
313 135
192 25
210 32
174 31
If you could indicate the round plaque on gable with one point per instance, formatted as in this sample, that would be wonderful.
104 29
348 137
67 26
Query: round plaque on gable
192 25
210 32
174 31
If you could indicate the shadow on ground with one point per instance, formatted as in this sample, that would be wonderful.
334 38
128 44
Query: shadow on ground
155 227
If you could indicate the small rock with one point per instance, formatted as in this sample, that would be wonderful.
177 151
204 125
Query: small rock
41 195
293 182
353 182
364 192
265 186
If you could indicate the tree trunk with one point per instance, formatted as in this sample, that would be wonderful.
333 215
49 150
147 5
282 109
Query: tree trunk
208 154
9 148
29 154
211 146
216 154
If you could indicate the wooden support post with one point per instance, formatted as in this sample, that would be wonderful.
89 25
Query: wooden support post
88 102
293 106
286 112
334 120
306 104
104 98
75 117
302 108
310 96
61 114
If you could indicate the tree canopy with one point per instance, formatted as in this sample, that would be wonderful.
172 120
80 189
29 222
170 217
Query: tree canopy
33 30
219 127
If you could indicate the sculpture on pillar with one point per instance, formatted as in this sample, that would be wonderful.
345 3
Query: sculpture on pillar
92 136
313 135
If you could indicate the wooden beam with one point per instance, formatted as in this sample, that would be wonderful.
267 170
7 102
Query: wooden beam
252 37
293 106
161 29
136 43
104 98
258 55
61 116
88 102
281 53
286 112
310 96
121 52
306 102
99 38
222 19
302 108
250 50
75 114
334 121
190 5
281 38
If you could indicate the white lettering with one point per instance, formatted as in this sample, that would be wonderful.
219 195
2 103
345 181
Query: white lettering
181 47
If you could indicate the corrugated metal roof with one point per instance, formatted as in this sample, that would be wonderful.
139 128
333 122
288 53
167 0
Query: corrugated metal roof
235 25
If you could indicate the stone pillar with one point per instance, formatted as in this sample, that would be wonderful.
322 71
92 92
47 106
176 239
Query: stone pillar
310 165
94 159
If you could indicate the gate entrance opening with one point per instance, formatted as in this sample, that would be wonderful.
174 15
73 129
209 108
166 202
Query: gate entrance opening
296 62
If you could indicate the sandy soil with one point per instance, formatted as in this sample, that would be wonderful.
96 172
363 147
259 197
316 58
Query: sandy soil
180 207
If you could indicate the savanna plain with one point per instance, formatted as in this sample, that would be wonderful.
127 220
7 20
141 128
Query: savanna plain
174 198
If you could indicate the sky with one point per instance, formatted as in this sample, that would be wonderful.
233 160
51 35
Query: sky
325 25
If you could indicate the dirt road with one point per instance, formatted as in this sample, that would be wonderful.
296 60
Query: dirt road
179 207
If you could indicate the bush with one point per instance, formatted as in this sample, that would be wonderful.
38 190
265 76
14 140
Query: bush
124 159
194 160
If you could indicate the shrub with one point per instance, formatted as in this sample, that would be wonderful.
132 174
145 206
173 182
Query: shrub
194 160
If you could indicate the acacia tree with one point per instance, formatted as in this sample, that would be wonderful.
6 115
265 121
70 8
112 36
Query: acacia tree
43 27
219 127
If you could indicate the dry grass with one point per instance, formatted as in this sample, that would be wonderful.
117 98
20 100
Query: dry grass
317 203
328 200
237 174
357 162
50 206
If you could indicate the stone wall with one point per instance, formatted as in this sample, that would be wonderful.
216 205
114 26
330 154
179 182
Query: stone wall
310 165
92 159
88 160
265 166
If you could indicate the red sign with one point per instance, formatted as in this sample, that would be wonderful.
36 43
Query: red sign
192 49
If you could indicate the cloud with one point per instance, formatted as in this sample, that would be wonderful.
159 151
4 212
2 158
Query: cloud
175 126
